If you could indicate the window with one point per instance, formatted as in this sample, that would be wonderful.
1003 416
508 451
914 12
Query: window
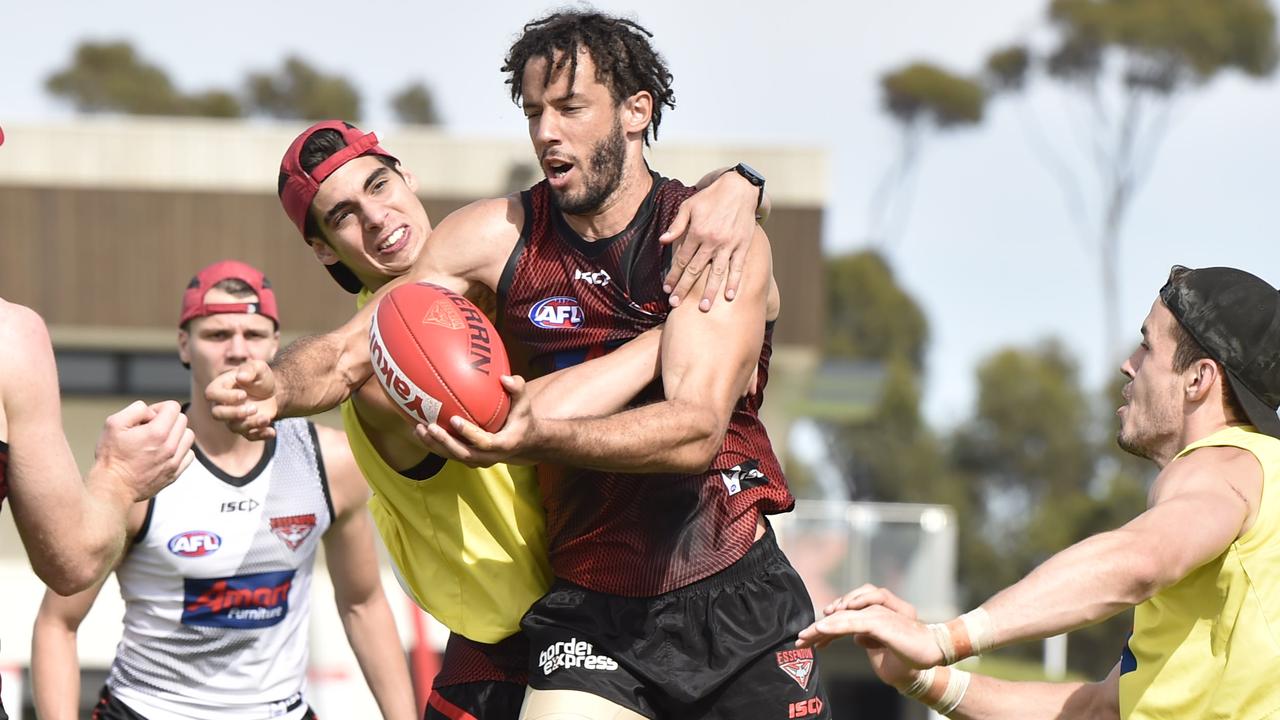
122 372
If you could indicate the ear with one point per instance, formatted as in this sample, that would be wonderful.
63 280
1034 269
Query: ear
409 178
1200 379
323 252
184 347
636 112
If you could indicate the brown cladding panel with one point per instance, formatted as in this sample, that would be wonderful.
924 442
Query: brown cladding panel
121 258
795 234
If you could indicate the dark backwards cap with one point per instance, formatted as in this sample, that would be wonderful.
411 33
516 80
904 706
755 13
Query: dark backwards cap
300 187
194 306
1235 317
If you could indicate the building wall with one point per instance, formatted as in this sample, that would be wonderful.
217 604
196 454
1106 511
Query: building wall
95 258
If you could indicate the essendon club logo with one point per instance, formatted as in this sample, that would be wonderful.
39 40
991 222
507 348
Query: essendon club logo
293 529
245 602
444 314
797 664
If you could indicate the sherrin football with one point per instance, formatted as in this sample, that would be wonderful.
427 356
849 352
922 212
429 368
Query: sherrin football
436 355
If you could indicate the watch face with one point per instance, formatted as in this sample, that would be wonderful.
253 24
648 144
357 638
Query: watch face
750 174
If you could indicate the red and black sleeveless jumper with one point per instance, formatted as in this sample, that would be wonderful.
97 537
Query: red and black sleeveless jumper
563 300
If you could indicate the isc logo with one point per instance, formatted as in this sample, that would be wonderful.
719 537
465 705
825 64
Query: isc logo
194 543
556 313
805 708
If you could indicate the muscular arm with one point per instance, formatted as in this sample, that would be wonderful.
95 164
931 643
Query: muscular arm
1196 513
1200 504
357 584
74 531
465 253
683 432
986 698
599 386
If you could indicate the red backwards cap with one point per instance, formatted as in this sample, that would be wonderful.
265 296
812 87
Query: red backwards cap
300 187
193 304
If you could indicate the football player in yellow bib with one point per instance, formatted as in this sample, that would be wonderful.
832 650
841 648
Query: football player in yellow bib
468 545
1202 563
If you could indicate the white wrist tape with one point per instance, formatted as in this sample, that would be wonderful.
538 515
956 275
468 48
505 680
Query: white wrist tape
970 634
921 684
942 636
957 686
943 699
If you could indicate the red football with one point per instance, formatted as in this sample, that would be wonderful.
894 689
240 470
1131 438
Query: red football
438 356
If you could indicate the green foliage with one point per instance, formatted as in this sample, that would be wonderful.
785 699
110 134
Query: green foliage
1031 428
922 91
1165 43
415 105
111 77
869 317
215 103
297 91
894 455
1007 68
1123 61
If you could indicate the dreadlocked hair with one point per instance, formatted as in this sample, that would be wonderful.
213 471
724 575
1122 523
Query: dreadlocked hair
625 61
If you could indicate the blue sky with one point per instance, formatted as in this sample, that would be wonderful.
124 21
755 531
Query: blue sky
989 250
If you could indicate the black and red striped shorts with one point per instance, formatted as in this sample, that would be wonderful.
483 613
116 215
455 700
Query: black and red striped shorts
479 681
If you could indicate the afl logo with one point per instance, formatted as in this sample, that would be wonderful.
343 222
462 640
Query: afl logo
556 313
194 543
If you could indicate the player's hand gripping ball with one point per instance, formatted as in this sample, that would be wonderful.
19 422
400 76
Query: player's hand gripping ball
436 355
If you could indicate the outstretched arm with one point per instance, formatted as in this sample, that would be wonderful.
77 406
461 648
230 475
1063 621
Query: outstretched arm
964 696
74 530
357 583
1201 504
313 374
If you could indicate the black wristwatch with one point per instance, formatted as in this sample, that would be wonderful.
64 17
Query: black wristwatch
752 177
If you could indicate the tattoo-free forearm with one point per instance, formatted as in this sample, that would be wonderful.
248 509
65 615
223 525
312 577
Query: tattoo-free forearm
371 632
1084 584
673 436
55 671
601 386
316 373
992 699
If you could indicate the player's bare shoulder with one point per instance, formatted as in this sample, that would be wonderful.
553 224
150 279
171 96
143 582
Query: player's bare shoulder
474 242
1213 469
21 324
24 334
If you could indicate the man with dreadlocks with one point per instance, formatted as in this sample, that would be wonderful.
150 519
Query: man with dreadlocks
671 597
